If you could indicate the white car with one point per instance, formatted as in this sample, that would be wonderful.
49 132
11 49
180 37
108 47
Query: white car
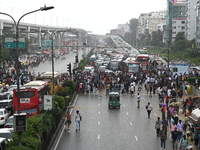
4 115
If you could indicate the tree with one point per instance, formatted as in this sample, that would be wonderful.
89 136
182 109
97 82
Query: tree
133 24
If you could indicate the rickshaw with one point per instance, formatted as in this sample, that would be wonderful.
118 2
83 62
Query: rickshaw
114 100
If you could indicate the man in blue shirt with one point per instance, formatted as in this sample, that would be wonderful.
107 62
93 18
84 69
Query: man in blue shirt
174 136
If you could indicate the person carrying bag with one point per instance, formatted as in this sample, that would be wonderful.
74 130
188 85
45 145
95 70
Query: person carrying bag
183 143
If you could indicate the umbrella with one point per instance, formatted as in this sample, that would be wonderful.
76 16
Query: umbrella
162 104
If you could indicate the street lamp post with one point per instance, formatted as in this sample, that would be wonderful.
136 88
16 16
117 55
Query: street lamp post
168 55
17 53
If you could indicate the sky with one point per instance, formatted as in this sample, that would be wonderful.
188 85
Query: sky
98 17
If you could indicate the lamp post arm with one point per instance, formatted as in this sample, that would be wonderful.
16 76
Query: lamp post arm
10 17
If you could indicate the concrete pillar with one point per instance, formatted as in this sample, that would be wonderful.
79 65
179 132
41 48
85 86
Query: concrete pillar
39 37
28 32
1 28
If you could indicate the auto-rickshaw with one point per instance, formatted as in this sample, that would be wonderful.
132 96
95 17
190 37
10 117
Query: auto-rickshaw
114 100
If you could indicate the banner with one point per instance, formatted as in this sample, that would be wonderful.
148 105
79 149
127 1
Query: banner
47 102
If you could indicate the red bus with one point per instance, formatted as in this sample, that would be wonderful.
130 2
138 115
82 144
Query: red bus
133 67
143 59
31 97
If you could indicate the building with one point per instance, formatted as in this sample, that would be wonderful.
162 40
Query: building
151 21
198 25
125 26
120 32
190 30
178 25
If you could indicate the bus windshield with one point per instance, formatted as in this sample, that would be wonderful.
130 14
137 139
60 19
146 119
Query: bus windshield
133 67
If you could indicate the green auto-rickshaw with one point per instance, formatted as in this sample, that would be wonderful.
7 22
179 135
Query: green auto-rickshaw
114 100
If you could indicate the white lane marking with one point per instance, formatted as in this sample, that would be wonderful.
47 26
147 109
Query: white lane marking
131 123
124 105
99 112
136 138
98 122
99 104
64 126
98 137
155 114
126 113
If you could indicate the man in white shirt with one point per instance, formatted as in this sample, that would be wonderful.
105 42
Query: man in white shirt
138 100
78 119
149 109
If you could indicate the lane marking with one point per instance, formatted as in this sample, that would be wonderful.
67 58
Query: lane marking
136 138
124 105
99 112
99 104
131 124
98 137
155 114
126 113
98 122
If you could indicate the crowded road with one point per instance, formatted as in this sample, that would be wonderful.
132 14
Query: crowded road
59 65
113 129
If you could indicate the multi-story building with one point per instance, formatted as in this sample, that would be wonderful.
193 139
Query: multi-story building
151 21
125 26
120 32
198 24
179 20
190 31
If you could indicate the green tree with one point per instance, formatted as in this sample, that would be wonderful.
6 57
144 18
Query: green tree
133 24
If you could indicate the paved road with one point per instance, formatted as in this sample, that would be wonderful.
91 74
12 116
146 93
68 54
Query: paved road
59 65
126 128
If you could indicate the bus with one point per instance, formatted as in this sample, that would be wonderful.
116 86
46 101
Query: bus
114 65
92 59
31 97
48 76
133 67
143 59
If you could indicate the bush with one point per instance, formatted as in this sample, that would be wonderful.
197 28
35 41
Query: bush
192 79
18 148
70 84
61 101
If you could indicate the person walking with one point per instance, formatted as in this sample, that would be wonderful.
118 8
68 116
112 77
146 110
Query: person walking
174 136
149 109
68 120
78 119
183 143
132 90
163 137
138 100
157 126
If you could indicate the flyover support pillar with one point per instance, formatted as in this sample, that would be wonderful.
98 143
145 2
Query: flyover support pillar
39 37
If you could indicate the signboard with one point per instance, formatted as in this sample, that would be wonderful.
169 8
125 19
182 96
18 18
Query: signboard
46 44
11 42
47 102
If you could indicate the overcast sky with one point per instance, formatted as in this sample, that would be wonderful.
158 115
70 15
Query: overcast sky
96 16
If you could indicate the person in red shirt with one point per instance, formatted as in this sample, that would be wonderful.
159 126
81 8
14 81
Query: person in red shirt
167 99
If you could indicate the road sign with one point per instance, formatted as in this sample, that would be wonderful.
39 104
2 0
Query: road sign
46 43
11 42
47 102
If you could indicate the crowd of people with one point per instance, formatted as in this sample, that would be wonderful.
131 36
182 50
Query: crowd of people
171 90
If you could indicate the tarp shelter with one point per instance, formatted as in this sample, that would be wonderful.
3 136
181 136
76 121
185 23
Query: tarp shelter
46 52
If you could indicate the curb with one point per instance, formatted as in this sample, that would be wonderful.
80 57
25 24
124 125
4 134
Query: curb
55 139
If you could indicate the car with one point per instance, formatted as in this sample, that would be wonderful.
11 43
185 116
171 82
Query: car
102 68
3 143
89 69
9 122
4 115
108 71
6 133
